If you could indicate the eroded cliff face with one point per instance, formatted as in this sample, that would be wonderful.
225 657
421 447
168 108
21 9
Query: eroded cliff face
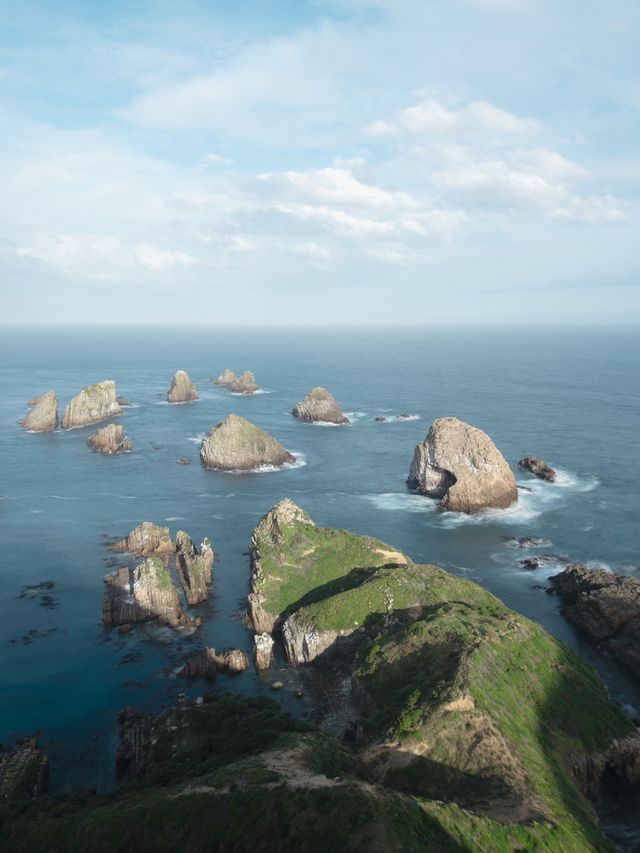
110 440
93 404
319 406
194 566
43 413
607 607
462 466
182 389
236 444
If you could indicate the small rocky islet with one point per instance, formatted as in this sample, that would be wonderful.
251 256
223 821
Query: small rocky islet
182 389
43 413
320 406
245 383
110 440
235 444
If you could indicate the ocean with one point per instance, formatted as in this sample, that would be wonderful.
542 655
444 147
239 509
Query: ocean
568 396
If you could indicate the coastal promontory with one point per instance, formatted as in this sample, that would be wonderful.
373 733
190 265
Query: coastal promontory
93 404
182 389
236 444
461 465
43 413
319 406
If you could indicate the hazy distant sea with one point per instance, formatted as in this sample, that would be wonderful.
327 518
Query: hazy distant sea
569 396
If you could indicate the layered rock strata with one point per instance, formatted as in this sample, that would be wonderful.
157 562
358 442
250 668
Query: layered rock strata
147 539
194 567
141 594
43 413
182 389
110 440
93 404
319 406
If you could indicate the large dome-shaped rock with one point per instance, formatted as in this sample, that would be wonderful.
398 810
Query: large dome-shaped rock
243 384
319 406
141 594
110 440
94 403
43 413
606 606
462 466
236 444
182 389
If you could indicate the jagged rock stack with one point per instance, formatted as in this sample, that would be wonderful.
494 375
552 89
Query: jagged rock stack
145 540
461 465
43 414
109 440
182 389
243 384
263 650
208 662
236 444
194 567
538 467
93 404
319 406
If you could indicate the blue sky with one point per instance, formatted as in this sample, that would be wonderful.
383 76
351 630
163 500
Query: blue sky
398 161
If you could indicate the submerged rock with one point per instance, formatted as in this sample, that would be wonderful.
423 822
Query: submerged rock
263 650
123 402
243 384
43 413
380 419
24 772
110 439
147 539
606 606
208 662
538 467
462 466
184 461
319 406
194 567
94 403
141 594
182 389
235 444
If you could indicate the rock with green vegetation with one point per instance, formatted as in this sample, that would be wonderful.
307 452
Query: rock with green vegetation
294 562
143 593
182 389
245 383
110 440
43 413
235 444
147 539
194 566
319 406
606 606
461 465
24 772
94 403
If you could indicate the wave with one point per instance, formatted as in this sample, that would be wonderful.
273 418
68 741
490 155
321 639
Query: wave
577 482
197 439
328 424
250 393
394 419
300 461
402 502
174 518
355 416
116 495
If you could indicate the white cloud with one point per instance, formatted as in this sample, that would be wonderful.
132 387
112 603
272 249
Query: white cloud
160 260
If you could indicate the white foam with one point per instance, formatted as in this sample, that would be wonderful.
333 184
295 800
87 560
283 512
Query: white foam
250 393
328 424
35 511
576 482
199 438
175 518
402 502
629 710
300 461
355 416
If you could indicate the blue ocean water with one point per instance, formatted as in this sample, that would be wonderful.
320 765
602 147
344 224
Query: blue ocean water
570 397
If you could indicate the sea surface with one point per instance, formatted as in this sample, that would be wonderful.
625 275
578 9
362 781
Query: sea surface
568 396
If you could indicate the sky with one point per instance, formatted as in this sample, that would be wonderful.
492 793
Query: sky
352 162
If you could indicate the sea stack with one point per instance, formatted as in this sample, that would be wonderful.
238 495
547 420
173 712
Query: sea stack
538 467
182 389
43 413
141 594
147 539
109 440
243 384
194 567
461 465
94 403
236 444
319 406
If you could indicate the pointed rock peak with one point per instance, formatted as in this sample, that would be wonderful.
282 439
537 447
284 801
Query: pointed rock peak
319 406
43 413
236 444
182 389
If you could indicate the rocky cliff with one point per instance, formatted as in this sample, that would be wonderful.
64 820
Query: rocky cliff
43 413
319 406
194 567
147 539
607 607
462 466
109 440
235 444
182 389
24 773
141 594
94 403
245 383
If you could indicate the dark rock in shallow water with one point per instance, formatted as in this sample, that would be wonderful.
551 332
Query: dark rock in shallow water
208 662
538 467
23 774
462 466
43 414
123 402
110 440
194 567
607 607
380 419
530 563
184 461
319 406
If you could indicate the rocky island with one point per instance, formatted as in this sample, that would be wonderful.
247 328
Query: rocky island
236 444
182 389
538 467
461 465
606 606
43 413
194 566
245 383
319 406
146 540
93 404
110 440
